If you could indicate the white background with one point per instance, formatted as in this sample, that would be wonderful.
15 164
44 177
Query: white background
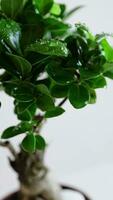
81 141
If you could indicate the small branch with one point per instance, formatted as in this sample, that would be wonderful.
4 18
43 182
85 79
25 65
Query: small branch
41 120
40 61
62 102
9 146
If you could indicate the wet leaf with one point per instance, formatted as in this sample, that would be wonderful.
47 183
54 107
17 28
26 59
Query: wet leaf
10 34
49 47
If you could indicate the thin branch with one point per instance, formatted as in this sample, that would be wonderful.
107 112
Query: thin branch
9 146
62 102
71 12
41 120
66 187
40 61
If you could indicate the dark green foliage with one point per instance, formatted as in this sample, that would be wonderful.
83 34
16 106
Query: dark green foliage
29 143
10 33
60 74
43 6
54 112
44 59
40 142
49 47
11 7
78 95
12 131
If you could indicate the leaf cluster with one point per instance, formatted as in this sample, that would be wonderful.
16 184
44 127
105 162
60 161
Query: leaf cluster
43 59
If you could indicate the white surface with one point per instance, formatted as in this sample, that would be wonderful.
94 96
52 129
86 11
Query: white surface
81 141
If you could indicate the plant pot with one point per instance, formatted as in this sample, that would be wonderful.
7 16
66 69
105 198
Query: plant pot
15 195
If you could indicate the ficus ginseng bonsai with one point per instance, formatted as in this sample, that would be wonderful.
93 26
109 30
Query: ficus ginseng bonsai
43 59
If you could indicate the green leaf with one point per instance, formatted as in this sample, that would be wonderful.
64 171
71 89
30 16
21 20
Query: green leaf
9 86
108 70
21 64
32 25
59 74
59 91
56 9
43 6
23 106
78 96
54 112
25 116
29 143
11 132
87 74
24 92
108 50
43 89
11 7
25 126
28 113
56 27
107 67
44 100
93 96
40 142
10 33
49 47
109 74
98 82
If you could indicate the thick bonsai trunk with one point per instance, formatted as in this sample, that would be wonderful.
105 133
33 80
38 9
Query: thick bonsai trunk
35 179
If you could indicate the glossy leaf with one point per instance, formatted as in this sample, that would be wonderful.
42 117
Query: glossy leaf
43 6
109 74
44 100
10 34
78 96
11 7
23 106
56 27
49 47
27 113
98 82
108 66
40 142
29 143
59 91
24 92
108 50
59 74
13 131
93 96
20 64
54 112
56 9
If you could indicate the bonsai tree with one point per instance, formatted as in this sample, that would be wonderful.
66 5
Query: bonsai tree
45 62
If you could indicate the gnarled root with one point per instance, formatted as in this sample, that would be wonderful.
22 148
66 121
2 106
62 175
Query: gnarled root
36 182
